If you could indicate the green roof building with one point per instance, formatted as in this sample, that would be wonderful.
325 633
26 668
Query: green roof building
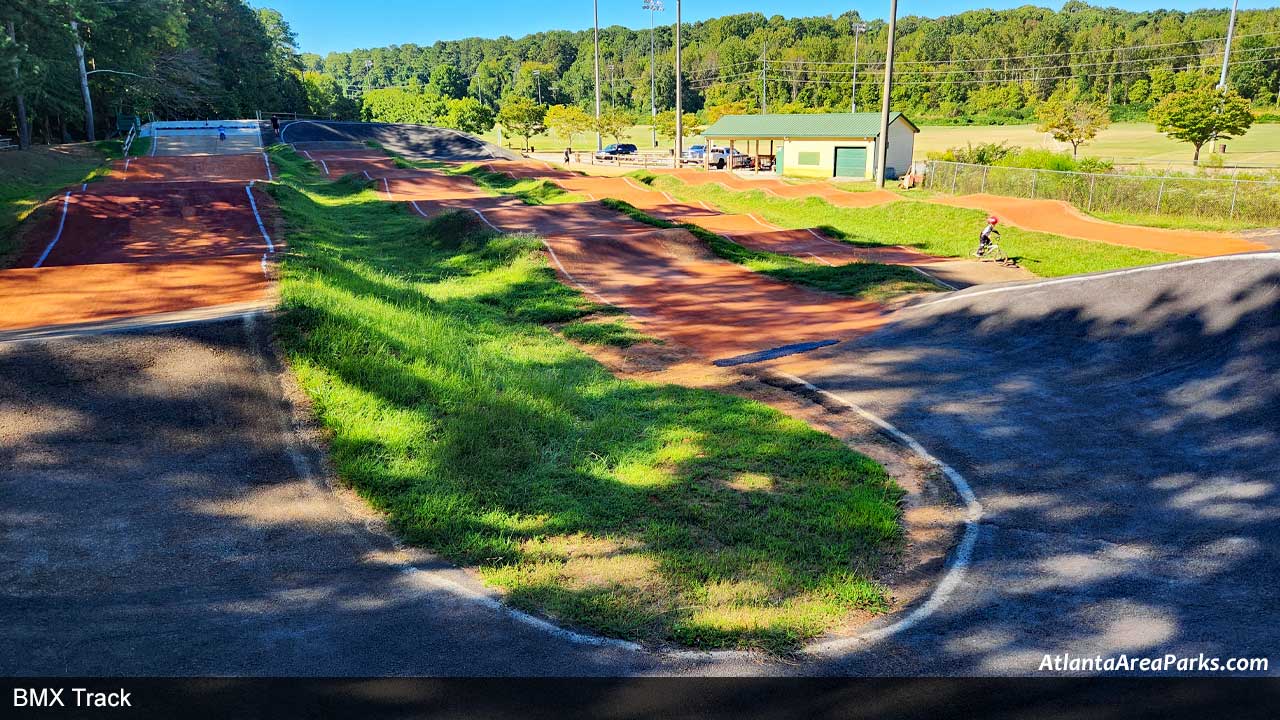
840 145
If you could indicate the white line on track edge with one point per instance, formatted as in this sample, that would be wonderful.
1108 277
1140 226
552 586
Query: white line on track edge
1098 276
248 190
964 551
267 161
61 222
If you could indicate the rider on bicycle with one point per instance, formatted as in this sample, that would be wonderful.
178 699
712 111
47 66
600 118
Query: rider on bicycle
984 240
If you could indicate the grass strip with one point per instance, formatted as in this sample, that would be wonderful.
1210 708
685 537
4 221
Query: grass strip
651 512
935 229
867 281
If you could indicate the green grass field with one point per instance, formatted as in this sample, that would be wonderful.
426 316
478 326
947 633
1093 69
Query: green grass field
864 280
652 512
935 229
1123 143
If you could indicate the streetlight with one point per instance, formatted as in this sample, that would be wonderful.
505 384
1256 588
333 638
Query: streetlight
858 29
537 80
653 6
1226 51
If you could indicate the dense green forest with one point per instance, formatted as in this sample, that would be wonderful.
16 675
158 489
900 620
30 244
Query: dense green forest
173 58
977 63
198 58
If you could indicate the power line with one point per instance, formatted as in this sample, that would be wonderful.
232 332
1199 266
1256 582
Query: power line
808 80
1029 68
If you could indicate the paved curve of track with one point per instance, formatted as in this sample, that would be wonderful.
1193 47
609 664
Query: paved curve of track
417 141
1122 432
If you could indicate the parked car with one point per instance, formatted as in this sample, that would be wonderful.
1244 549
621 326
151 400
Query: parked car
720 157
611 151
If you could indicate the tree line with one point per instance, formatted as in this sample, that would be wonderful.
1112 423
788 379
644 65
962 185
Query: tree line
69 68
982 65
62 59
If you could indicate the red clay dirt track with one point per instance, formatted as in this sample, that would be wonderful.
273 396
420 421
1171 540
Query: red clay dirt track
666 279
127 249
197 168
750 230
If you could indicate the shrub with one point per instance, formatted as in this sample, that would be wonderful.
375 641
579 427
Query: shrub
1040 159
1094 165
980 154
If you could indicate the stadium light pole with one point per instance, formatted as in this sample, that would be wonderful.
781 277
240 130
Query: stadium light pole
858 29
675 161
599 142
653 6
1226 52
882 143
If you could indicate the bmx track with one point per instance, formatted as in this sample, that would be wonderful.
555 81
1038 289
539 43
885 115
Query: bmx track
113 249
1118 432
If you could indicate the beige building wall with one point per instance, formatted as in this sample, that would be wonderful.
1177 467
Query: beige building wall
825 148
901 147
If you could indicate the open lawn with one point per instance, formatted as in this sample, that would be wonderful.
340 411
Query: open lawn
1122 143
935 229
644 511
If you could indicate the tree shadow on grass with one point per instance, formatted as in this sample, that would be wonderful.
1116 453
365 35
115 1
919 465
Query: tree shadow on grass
652 512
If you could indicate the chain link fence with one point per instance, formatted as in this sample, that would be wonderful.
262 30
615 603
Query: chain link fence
1250 200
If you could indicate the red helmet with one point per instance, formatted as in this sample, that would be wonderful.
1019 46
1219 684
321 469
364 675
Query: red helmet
993 220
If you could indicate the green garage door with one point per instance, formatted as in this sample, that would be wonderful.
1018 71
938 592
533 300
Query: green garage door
851 162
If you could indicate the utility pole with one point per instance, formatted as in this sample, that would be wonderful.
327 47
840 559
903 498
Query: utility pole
679 108
537 80
882 143
764 87
598 141
84 81
653 6
858 29
1226 51
613 87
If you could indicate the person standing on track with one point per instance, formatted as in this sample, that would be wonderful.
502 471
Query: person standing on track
566 156
222 135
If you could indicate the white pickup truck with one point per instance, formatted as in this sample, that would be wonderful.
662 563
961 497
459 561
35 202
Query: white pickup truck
720 157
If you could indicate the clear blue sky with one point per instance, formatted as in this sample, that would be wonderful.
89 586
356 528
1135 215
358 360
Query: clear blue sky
328 25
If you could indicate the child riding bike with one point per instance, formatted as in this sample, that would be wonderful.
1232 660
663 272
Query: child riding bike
984 239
